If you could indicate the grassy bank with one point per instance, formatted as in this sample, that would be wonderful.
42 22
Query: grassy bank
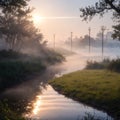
16 72
17 68
98 88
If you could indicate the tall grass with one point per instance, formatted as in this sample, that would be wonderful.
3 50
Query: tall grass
98 65
112 65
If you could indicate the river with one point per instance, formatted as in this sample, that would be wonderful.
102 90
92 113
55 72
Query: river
50 105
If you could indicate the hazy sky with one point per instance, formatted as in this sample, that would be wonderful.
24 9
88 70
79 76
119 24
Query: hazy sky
62 17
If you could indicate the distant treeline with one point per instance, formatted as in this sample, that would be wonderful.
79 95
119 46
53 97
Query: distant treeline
94 42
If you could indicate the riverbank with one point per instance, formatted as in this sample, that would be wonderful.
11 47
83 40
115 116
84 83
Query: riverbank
20 78
16 67
98 88
14 101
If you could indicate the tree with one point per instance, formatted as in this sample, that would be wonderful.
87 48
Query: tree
15 24
100 8
116 34
15 3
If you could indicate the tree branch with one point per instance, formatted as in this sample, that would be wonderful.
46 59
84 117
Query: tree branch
100 8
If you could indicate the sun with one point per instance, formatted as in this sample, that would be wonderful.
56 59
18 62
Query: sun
37 19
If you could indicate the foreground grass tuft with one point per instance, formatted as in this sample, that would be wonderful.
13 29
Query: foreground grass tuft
99 88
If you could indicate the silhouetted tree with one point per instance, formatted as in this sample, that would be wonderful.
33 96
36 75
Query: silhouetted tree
15 24
100 8
116 34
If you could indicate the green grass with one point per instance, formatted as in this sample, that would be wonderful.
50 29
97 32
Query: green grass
98 88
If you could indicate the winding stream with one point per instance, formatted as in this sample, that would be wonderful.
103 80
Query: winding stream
50 105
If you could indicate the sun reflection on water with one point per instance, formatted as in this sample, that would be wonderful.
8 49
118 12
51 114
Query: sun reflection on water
36 105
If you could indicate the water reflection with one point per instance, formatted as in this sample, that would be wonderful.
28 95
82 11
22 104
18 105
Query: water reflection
36 105
52 106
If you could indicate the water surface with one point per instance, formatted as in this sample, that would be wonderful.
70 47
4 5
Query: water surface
50 105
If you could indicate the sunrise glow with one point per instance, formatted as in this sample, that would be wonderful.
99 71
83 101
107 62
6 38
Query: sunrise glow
37 19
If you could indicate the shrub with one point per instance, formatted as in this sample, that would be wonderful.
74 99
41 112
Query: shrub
10 54
97 65
7 114
15 66
114 65
15 72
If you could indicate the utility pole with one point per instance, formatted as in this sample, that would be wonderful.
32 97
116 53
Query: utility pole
106 34
103 30
71 41
89 39
54 41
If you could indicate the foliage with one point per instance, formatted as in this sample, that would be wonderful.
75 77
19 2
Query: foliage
114 65
116 34
98 88
7 114
15 66
97 65
15 3
15 72
53 57
100 8
15 24
11 55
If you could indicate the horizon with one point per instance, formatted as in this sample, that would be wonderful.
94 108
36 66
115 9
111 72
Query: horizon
60 18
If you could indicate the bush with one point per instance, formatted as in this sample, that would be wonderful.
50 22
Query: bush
15 66
97 65
7 114
15 72
114 65
10 54
52 57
